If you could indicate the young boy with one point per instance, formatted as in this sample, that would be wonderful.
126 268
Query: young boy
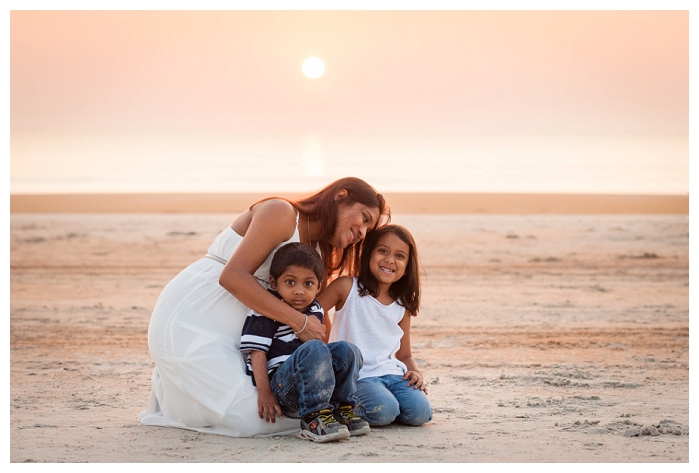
310 381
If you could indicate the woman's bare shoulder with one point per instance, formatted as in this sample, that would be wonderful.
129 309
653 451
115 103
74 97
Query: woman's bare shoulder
276 215
279 207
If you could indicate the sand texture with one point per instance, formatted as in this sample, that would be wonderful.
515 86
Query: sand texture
544 338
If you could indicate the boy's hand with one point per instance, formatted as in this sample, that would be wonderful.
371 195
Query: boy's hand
416 380
268 406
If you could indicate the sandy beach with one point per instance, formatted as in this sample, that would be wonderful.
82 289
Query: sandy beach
540 157
545 337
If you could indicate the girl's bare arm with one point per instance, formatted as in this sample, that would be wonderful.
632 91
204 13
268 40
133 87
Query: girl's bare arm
271 223
405 355
334 296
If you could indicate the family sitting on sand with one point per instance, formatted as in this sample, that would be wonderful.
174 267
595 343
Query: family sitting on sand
221 372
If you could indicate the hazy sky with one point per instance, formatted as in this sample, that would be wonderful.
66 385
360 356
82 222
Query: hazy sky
393 72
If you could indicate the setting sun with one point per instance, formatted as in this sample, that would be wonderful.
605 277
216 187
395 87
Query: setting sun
313 67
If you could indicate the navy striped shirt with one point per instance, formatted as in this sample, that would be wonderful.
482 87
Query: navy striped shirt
277 340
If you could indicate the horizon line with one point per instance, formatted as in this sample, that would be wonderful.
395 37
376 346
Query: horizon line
287 192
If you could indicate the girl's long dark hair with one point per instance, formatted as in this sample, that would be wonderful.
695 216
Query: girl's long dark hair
322 207
407 289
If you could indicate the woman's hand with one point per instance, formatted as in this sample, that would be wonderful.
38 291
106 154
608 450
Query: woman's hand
314 330
268 406
416 380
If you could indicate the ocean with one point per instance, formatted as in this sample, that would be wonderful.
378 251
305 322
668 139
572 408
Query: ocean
48 163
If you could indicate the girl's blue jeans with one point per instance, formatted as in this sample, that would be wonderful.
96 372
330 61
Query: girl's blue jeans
317 376
384 399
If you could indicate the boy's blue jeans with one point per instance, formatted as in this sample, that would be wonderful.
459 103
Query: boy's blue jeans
384 399
317 376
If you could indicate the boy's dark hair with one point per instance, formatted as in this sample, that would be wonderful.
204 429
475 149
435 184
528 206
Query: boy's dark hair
407 289
296 254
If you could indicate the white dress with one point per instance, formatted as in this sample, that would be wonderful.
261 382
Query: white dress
199 380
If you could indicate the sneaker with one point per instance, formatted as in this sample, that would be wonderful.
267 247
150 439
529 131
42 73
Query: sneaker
356 425
322 427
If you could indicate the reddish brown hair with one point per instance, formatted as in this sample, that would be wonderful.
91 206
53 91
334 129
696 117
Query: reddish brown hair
322 207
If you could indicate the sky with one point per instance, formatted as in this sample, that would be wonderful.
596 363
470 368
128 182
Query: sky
391 76
601 71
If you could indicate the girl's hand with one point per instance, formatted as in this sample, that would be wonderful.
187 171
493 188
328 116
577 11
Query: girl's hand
416 380
268 406
314 330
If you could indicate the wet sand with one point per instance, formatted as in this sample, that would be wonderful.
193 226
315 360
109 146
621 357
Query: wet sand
544 338
426 202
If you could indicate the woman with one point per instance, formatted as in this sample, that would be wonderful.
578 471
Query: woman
199 381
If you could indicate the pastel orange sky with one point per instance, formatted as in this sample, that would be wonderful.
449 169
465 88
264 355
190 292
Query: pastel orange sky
240 71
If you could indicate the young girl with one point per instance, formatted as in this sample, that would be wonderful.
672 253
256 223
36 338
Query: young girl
373 311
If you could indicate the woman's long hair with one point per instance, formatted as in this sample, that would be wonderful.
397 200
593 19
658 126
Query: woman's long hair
407 289
323 207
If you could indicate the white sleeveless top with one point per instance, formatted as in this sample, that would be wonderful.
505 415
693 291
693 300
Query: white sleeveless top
373 328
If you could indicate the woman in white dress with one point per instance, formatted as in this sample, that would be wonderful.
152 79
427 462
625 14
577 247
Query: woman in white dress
199 380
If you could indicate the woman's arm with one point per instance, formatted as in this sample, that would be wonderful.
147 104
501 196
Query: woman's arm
271 223
405 355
